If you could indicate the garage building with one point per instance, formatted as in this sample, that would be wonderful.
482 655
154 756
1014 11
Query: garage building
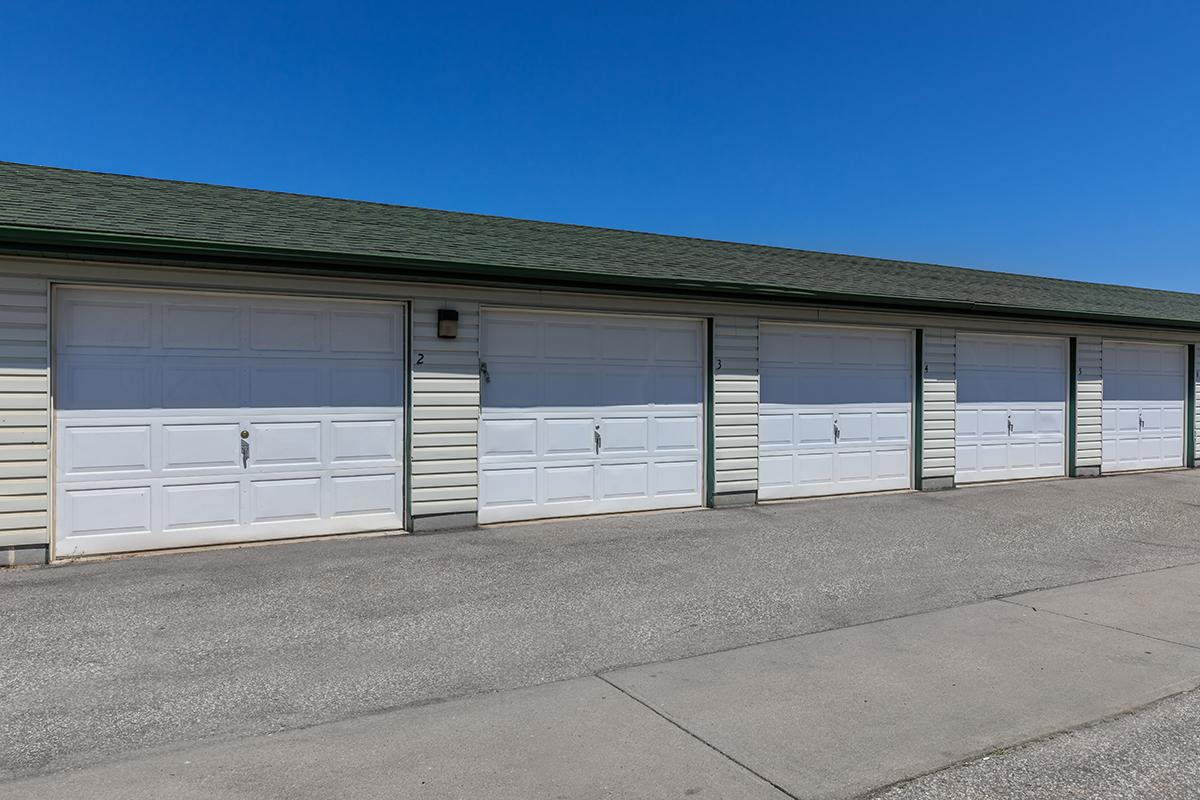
184 364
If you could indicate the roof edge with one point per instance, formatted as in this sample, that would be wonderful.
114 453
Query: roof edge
65 242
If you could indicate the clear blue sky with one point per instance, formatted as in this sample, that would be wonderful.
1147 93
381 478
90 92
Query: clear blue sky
1044 137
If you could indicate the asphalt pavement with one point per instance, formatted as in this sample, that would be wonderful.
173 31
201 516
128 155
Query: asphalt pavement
114 660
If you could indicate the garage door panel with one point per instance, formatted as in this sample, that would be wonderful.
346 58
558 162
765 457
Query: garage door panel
274 500
775 430
992 458
575 483
286 329
200 446
510 487
676 478
204 505
190 327
106 324
1050 454
625 436
513 386
200 385
623 480
1024 421
675 434
635 383
775 470
279 444
366 387
108 510
360 332
1022 455
853 466
677 386
298 386
1052 421
624 342
678 344
357 495
814 429
208 368
355 441
107 384
617 385
892 465
571 387
891 426
570 341
568 437
814 469
507 337
89 450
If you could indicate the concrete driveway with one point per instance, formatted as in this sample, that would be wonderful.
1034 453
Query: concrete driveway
108 658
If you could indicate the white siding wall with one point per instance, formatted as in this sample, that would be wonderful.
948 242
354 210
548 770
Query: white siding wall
939 385
445 411
735 403
24 389
1089 401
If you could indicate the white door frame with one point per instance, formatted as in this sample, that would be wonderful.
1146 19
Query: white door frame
52 289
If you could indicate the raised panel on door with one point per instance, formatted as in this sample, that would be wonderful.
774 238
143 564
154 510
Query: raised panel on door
848 395
154 390
589 413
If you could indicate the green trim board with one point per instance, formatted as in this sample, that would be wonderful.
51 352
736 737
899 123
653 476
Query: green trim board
1189 424
1072 403
408 418
710 421
918 408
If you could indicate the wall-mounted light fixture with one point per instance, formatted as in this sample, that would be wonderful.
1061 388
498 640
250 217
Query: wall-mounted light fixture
447 323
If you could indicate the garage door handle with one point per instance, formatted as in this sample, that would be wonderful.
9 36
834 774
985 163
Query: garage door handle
596 437
837 432
1010 424
245 453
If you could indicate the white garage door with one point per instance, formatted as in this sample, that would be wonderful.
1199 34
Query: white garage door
588 414
1012 408
187 419
1145 386
836 410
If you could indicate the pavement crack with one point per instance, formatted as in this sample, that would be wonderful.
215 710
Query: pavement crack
700 739
1045 610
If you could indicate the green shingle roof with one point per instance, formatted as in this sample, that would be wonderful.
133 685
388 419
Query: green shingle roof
118 213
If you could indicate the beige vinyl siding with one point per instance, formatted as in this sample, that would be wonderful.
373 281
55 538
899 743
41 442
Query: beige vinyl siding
24 419
445 411
940 391
1089 401
735 403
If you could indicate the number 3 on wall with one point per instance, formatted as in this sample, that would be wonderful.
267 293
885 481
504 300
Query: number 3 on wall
718 365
